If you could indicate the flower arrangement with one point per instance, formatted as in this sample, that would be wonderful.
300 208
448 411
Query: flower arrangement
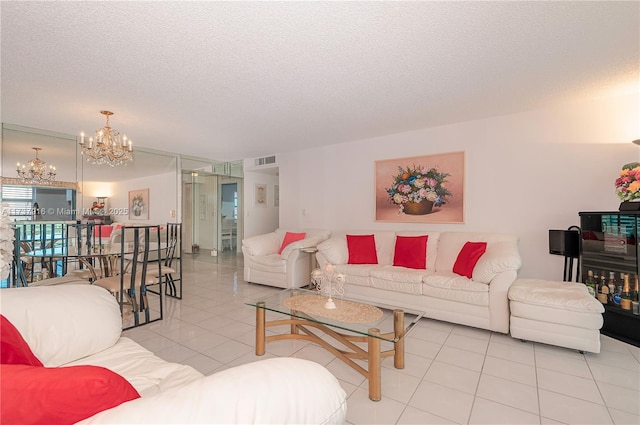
417 183
97 207
137 205
628 184
6 241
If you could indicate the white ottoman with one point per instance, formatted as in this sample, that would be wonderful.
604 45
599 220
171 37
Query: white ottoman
556 313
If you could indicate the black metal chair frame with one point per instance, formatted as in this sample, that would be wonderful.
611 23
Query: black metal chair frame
173 286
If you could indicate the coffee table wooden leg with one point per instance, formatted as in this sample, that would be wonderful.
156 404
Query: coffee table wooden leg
398 346
375 384
260 329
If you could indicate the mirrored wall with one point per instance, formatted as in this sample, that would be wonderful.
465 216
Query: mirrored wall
80 185
205 195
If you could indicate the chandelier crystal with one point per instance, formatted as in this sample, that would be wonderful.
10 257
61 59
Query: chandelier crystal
35 171
107 147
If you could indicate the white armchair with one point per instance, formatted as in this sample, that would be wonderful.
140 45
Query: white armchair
289 269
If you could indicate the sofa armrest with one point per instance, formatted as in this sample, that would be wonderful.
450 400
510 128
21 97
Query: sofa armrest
500 257
499 300
65 322
298 245
278 391
266 244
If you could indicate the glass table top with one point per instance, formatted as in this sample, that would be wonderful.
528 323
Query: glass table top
351 315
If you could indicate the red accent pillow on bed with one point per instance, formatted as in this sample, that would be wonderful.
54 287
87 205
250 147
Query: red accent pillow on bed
59 395
13 348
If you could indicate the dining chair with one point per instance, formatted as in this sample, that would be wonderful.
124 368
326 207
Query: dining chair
136 274
227 234
172 263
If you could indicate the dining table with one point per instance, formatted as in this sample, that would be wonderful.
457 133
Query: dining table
101 260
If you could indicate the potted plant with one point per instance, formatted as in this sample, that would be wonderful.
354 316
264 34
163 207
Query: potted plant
416 190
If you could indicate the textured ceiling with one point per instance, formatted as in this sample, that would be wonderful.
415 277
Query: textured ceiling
231 80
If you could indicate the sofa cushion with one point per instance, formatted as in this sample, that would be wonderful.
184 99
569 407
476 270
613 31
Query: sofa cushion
468 257
552 294
451 243
432 245
499 257
411 252
269 263
13 348
334 250
289 238
362 249
262 244
65 395
451 286
148 373
355 274
44 314
398 279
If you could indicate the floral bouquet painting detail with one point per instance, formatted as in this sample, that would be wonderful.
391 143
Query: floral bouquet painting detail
628 184
416 190
139 204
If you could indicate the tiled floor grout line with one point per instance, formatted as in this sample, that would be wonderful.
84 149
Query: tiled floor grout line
548 363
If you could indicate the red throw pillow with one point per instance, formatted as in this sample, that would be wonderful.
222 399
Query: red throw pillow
468 257
59 395
362 249
411 252
104 231
13 348
290 237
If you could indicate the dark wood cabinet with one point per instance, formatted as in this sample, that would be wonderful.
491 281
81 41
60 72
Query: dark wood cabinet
98 219
609 243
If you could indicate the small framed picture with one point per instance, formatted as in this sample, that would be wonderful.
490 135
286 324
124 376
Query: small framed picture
261 195
139 204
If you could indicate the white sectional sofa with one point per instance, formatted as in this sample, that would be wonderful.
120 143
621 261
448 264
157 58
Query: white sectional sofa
481 301
73 325
289 269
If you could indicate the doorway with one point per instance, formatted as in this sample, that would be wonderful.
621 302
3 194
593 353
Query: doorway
212 212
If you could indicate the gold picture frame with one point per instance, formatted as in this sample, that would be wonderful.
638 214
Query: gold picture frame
421 189
139 204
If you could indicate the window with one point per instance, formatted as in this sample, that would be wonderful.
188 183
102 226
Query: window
235 205
19 200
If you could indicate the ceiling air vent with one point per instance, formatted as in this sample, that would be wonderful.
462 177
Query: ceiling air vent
266 160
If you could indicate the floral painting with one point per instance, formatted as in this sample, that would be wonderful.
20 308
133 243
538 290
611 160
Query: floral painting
421 189
139 204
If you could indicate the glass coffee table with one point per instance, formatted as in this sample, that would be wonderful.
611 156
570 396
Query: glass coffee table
339 330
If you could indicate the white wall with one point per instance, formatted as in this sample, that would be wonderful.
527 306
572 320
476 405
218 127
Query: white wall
259 219
163 197
525 174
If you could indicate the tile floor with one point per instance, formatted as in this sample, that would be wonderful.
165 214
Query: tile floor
453 375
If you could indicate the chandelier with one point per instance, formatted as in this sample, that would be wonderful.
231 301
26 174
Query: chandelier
107 147
36 173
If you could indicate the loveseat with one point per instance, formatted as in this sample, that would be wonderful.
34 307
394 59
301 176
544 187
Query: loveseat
270 260
73 325
480 300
